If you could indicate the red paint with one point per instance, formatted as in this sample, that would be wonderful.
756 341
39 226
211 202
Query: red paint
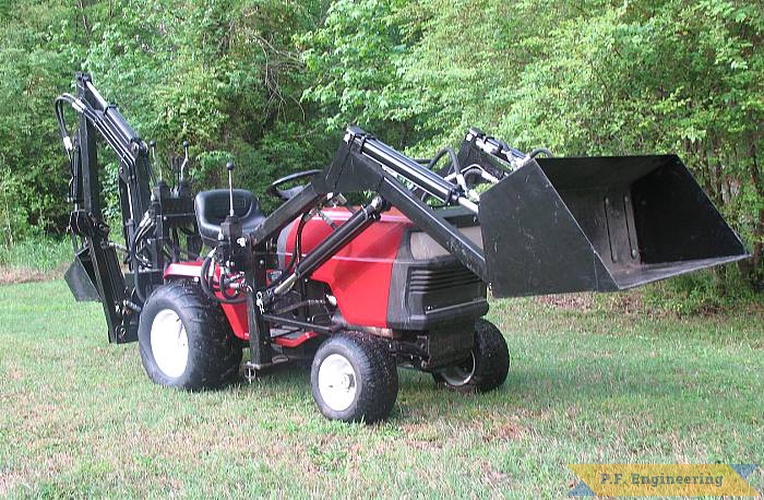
359 274
237 317
190 269
295 342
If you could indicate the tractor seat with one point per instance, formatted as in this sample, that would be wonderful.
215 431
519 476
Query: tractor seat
212 208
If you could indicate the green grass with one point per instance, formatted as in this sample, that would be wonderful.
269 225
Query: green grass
80 419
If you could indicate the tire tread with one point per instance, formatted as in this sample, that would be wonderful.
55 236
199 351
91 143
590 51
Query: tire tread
491 360
214 352
375 366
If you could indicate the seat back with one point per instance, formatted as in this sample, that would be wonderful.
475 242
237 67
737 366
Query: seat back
212 208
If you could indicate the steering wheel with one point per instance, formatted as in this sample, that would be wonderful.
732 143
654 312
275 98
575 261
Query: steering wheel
288 193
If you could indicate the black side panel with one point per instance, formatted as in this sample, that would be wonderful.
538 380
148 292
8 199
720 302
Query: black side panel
432 293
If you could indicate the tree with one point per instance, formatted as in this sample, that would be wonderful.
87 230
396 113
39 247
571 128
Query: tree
676 76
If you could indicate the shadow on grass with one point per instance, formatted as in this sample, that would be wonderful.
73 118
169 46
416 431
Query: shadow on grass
625 386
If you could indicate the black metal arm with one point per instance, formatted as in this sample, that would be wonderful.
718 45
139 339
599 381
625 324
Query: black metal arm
365 163
151 221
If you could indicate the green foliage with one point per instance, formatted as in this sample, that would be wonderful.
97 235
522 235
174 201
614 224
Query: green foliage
37 253
700 293
33 173
221 76
583 79
13 219
272 84
354 60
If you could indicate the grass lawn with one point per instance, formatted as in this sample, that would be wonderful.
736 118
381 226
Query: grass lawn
79 417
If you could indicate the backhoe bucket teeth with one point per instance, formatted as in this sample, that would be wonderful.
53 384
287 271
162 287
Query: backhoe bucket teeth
602 224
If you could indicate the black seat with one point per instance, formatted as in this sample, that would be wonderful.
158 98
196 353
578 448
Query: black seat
212 208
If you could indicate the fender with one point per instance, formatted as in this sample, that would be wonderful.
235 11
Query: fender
359 275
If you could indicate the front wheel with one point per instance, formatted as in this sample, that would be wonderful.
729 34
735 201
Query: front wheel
485 369
185 339
354 378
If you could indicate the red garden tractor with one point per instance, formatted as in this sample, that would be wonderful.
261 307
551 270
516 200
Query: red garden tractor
358 291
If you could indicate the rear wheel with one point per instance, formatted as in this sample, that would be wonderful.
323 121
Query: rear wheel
185 340
354 378
485 369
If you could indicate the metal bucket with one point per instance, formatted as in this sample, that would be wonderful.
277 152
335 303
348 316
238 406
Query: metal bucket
81 278
604 223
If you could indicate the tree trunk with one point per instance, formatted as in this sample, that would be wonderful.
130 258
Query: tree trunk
85 23
758 231
752 269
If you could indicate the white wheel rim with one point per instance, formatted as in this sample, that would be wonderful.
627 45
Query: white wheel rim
459 375
169 343
337 382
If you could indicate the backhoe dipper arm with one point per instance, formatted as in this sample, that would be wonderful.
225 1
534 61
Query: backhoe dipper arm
95 255
96 115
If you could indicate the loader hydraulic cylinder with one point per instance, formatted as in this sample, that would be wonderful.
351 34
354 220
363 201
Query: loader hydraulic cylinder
396 163
335 242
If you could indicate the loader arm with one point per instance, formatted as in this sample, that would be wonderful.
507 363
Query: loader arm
366 163
549 225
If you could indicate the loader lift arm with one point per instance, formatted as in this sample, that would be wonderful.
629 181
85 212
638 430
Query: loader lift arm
151 221
562 242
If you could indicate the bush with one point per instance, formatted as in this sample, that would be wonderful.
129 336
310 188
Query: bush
39 253
702 292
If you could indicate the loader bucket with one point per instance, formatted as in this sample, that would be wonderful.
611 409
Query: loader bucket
601 224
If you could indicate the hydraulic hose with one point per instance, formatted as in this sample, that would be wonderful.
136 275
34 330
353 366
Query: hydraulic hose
208 289
537 151
440 154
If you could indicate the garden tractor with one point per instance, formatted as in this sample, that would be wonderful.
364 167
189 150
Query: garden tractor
358 291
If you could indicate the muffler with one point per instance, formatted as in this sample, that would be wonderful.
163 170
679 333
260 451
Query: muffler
602 224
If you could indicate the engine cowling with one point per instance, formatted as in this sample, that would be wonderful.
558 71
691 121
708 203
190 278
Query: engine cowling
392 275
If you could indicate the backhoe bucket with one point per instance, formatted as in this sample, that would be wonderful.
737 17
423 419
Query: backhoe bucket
81 278
602 224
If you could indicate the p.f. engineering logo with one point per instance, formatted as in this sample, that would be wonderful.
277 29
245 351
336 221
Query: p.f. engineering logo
637 480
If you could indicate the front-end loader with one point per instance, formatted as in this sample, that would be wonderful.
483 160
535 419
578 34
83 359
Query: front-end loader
359 291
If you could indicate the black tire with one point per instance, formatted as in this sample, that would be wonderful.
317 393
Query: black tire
487 367
354 379
209 357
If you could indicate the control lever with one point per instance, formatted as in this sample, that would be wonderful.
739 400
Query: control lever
230 166
231 246
186 145
153 151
